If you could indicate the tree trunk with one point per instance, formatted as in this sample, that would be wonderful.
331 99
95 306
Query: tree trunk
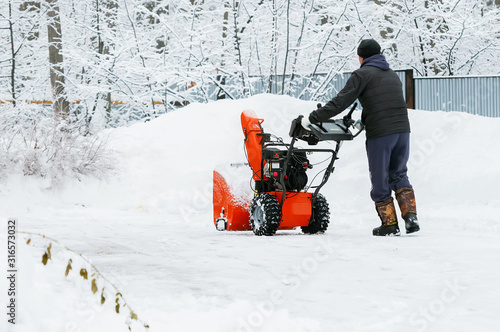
104 47
221 79
13 59
287 50
57 81
273 71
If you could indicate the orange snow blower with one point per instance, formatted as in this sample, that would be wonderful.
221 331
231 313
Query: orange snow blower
282 198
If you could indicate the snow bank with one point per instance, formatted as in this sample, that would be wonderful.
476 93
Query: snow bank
165 166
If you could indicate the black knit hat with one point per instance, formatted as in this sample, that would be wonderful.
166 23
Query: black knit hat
368 47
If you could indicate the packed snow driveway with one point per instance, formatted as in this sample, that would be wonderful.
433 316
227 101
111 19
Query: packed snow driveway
187 278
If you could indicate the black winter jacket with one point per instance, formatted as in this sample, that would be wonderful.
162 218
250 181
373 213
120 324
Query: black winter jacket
380 93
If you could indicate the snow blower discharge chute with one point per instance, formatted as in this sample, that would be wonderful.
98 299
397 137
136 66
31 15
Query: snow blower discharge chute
282 198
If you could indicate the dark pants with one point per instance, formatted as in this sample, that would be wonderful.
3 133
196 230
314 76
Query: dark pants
387 158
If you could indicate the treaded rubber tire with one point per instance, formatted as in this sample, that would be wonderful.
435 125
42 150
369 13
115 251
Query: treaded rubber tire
265 214
321 213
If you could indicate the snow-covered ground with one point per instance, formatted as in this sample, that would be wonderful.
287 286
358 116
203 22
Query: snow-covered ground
148 229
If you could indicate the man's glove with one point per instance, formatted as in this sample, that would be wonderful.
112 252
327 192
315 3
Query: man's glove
359 125
305 122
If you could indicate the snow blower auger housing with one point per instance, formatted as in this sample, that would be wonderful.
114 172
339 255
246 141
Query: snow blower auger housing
282 199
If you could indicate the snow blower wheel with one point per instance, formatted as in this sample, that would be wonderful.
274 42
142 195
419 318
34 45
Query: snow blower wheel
320 216
264 214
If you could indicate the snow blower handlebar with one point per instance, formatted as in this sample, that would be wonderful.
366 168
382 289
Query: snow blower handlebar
329 130
348 121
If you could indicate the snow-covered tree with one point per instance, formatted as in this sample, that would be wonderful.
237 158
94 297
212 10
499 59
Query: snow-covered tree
129 60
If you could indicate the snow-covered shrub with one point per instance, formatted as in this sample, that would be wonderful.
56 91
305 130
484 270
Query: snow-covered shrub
31 143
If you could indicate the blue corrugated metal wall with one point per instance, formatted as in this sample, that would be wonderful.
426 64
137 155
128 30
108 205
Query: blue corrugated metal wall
472 94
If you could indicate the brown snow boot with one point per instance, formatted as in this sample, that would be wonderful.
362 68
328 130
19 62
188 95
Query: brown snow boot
387 213
406 201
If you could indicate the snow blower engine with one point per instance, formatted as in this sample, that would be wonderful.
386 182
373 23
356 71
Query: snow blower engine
282 198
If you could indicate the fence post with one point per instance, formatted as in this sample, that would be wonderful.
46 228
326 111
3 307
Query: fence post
410 89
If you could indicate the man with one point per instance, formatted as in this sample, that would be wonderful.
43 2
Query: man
385 118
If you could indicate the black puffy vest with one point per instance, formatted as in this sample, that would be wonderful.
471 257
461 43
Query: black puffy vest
381 96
